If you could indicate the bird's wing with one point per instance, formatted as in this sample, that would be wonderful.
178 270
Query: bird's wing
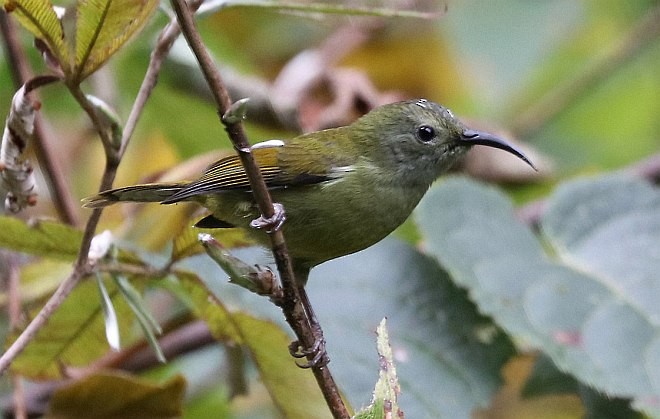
298 162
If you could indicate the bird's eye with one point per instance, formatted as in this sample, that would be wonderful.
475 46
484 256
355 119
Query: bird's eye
425 133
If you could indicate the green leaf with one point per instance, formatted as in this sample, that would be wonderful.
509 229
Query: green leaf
545 378
43 238
322 8
590 308
448 356
38 17
118 395
196 296
384 402
75 334
267 344
103 26
39 279
147 322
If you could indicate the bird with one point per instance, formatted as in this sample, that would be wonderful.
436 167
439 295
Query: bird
342 189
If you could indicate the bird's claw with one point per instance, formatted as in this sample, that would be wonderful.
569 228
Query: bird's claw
272 224
318 350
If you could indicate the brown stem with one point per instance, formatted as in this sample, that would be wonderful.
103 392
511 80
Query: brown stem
293 310
60 192
643 34
82 266
14 310
165 41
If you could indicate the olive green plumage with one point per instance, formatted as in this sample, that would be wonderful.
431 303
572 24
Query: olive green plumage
343 189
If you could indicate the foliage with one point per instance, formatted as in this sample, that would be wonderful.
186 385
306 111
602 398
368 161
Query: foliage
471 296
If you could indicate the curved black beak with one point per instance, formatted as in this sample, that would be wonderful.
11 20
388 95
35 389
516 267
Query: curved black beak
473 137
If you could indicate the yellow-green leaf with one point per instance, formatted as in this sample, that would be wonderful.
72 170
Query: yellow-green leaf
44 238
103 26
118 395
74 335
204 305
39 17
39 279
266 343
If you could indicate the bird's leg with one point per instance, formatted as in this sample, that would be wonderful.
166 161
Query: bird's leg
317 349
273 223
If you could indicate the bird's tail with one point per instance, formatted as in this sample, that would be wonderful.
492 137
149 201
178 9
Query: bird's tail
151 192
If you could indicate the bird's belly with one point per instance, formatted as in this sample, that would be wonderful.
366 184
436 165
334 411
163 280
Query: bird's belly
329 224
324 222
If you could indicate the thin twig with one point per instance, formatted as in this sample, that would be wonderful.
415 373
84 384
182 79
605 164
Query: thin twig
292 307
14 310
40 320
60 192
643 34
165 41
81 267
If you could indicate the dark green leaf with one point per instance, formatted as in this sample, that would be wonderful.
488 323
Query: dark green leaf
116 395
590 308
546 378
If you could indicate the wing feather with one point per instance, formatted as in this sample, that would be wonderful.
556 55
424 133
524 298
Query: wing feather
300 161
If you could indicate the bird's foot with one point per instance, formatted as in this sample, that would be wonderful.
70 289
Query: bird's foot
272 224
317 351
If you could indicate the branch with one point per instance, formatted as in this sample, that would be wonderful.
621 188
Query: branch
291 306
82 267
60 191
165 41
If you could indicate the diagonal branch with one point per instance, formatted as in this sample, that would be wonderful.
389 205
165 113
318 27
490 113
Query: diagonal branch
292 307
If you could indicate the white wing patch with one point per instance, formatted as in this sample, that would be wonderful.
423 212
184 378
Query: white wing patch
268 144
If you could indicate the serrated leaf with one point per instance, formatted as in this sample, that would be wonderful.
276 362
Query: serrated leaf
74 336
39 17
384 403
118 395
103 26
589 308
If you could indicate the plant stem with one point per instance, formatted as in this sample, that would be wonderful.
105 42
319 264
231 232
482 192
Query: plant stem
292 307
60 191
82 266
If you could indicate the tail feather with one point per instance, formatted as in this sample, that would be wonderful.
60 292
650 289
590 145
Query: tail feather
153 192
